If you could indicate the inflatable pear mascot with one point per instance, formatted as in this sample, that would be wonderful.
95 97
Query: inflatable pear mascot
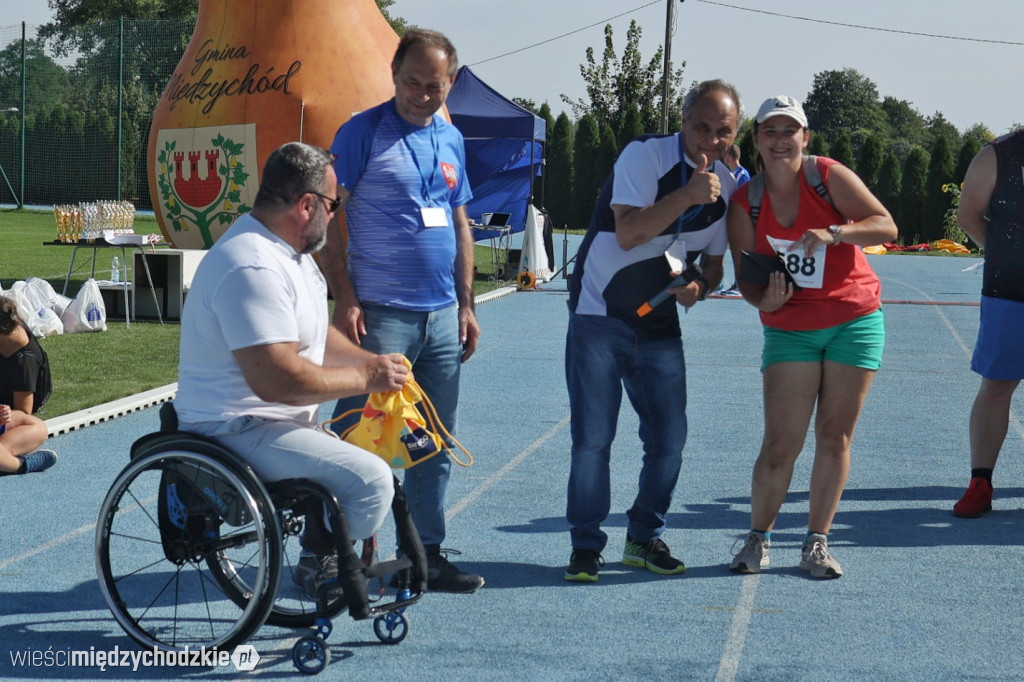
257 74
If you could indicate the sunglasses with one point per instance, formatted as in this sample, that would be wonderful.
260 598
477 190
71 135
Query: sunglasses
333 203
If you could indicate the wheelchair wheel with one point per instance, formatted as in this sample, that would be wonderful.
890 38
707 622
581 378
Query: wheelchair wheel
391 628
292 607
311 655
170 520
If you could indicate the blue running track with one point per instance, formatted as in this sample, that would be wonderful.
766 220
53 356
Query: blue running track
926 596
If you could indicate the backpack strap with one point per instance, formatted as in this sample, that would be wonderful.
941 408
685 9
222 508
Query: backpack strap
755 191
813 175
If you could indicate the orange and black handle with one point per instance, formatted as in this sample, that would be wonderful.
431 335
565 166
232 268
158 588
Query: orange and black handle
688 275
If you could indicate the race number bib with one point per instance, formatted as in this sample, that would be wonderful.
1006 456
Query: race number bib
807 271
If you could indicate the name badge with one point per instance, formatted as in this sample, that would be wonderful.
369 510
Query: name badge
434 216
676 256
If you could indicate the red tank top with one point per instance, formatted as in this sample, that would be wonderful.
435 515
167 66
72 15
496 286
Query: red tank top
849 287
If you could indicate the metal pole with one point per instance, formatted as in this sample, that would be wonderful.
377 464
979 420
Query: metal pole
529 200
668 66
21 160
120 106
3 174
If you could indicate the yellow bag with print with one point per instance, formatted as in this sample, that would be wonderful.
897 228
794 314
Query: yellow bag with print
392 426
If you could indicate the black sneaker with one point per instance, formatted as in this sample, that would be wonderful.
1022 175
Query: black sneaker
583 566
653 555
444 576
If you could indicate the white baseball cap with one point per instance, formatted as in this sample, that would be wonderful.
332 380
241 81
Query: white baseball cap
782 105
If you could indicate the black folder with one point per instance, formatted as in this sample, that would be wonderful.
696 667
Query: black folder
756 267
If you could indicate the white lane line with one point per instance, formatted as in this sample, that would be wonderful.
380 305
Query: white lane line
472 497
70 535
477 492
1015 421
733 652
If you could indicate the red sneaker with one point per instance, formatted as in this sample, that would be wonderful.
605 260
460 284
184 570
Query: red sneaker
976 501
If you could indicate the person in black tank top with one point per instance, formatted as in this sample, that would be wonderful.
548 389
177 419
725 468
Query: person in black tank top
992 214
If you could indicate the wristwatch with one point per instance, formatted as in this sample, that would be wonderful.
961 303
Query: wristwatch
837 233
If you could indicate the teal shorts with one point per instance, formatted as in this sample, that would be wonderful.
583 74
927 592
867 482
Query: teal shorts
858 342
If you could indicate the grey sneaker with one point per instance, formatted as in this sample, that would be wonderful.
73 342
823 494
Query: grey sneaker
753 556
326 576
817 560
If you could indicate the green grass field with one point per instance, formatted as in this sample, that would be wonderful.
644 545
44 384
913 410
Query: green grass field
93 368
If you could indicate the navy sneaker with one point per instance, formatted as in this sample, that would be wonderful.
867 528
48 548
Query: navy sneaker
40 460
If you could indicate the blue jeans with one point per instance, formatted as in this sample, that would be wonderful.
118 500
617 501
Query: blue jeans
602 355
431 342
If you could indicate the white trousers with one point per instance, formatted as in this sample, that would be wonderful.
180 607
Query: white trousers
275 449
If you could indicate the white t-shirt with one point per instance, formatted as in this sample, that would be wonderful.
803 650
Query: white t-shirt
251 289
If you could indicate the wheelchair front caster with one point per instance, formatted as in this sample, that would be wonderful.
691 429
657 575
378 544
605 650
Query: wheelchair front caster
311 655
391 628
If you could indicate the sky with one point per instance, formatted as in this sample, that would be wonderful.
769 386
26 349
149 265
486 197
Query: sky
533 48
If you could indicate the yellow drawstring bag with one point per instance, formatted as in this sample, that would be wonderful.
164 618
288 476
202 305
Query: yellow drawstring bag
392 427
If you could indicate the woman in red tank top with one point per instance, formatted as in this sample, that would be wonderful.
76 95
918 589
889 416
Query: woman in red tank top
823 337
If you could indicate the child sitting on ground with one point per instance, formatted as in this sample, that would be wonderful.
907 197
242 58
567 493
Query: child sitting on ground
21 362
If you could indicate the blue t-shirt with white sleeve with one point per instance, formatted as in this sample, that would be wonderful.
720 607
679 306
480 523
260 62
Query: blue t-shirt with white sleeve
393 169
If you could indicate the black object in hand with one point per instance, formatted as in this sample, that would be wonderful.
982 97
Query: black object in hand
688 275
757 267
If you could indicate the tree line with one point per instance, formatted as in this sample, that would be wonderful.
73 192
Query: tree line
908 160
904 157
77 98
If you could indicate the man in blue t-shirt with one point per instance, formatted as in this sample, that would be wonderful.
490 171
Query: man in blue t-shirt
405 283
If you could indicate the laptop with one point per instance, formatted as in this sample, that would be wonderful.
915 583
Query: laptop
499 219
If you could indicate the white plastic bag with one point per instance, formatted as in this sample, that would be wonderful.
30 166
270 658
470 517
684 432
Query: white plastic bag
45 294
35 311
86 313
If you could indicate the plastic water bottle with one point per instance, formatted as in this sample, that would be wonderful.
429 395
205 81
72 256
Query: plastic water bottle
115 270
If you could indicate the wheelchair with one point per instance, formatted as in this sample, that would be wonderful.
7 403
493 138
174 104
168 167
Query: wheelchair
193 550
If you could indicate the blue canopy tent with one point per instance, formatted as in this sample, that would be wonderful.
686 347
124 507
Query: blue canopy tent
504 150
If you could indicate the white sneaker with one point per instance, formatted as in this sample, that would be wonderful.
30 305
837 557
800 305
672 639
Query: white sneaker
817 560
753 556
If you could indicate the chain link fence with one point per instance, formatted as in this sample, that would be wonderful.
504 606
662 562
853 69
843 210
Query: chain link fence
75 112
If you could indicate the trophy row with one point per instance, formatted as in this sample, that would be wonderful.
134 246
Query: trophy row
90 219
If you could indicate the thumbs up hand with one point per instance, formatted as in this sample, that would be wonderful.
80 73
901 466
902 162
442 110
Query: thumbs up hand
703 187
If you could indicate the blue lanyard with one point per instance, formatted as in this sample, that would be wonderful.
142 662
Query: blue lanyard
691 212
426 183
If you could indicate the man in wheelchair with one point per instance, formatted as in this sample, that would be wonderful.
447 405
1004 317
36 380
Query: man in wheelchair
258 355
